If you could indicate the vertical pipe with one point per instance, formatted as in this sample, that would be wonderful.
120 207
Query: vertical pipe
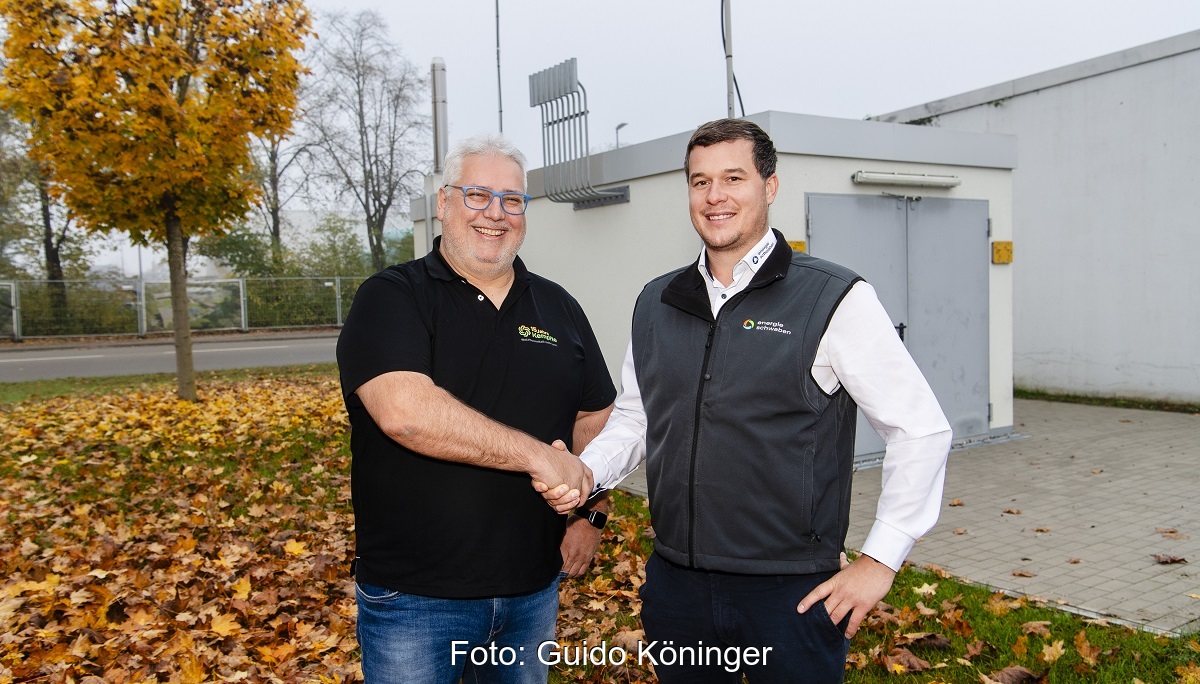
16 307
141 306
441 127
245 314
337 293
499 94
727 23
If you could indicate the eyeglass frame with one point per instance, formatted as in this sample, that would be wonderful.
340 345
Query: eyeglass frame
494 195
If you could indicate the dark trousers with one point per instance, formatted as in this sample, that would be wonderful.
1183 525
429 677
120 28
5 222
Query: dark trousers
713 627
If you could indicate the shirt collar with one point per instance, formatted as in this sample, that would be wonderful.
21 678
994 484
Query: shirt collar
753 260
439 268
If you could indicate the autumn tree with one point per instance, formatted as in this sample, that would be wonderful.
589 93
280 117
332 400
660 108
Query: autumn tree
366 113
143 110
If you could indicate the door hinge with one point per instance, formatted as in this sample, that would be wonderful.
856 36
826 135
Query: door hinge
989 227
808 227
989 414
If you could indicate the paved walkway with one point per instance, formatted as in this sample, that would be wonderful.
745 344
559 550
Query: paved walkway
1098 491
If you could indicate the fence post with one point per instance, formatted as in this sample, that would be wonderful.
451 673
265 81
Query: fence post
245 313
337 293
15 298
140 293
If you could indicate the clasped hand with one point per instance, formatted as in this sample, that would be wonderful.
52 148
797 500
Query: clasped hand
573 477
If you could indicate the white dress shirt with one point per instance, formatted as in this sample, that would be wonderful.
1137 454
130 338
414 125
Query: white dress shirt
860 351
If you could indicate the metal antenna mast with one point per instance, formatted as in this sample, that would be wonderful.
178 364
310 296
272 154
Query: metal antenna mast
499 94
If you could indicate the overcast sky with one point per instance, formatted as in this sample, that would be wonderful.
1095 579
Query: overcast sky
659 65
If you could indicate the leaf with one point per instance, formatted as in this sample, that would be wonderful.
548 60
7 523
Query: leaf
956 503
1170 533
1089 653
295 548
1073 561
1020 648
1040 628
1052 652
1013 511
1023 573
959 531
901 660
1167 560
1041 530
924 639
225 624
925 590
241 588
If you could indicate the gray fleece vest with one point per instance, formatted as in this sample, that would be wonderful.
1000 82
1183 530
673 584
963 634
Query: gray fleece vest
749 461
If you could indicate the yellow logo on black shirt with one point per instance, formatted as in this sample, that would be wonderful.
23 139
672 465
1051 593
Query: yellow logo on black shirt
532 333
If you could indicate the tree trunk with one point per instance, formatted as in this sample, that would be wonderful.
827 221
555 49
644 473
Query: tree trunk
53 259
273 206
375 242
185 371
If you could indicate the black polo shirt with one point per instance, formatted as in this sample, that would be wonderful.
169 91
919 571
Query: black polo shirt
436 528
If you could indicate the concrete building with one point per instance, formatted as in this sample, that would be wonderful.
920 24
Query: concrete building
1105 218
927 250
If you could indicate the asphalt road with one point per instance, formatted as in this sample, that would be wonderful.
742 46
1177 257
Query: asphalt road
42 363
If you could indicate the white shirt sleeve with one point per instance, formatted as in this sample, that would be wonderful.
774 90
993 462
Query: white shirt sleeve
621 446
862 352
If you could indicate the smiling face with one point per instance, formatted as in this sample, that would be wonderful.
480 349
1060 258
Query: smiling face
482 243
728 199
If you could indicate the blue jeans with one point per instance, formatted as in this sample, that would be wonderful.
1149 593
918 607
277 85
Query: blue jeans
713 627
423 640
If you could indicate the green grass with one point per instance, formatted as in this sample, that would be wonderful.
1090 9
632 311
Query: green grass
13 392
971 617
1114 402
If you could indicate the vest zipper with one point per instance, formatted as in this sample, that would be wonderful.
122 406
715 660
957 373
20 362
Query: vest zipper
704 376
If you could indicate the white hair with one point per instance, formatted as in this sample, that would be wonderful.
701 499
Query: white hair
484 144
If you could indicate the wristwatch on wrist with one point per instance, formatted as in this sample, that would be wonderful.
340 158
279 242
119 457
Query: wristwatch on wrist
595 518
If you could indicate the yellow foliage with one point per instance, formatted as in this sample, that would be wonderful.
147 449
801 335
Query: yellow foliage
142 110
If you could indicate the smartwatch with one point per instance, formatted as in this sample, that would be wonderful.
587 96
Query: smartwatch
595 518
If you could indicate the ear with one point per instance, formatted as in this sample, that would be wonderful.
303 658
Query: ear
772 188
441 204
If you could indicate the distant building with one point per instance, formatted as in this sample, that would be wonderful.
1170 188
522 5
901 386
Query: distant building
916 211
1106 218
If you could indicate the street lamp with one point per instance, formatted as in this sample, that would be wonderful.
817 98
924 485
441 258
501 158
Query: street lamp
619 127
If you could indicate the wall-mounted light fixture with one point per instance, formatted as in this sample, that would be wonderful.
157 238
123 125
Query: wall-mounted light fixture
924 180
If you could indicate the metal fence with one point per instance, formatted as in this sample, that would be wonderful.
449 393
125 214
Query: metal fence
58 308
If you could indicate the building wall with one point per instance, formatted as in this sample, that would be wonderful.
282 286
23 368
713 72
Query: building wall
604 256
1106 200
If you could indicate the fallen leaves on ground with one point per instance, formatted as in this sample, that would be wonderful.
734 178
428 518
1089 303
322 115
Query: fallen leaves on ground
1163 559
1170 533
129 555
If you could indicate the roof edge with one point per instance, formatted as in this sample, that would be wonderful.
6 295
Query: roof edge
1124 59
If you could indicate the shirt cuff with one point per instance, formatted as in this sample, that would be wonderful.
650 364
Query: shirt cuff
601 474
887 545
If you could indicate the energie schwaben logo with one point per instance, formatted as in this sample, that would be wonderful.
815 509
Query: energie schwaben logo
766 326
532 333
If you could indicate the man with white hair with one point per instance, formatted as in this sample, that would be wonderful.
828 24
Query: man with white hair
460 370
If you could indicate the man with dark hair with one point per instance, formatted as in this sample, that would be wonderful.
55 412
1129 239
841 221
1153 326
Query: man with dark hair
740 388
459 370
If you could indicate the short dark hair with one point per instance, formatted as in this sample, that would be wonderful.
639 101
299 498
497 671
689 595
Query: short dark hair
726 130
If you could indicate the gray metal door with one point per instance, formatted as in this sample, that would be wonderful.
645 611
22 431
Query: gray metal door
948 260
927 260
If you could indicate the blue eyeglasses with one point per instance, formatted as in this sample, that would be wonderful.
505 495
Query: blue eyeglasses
480 198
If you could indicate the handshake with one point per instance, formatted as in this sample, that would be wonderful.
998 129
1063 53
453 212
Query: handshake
573 478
